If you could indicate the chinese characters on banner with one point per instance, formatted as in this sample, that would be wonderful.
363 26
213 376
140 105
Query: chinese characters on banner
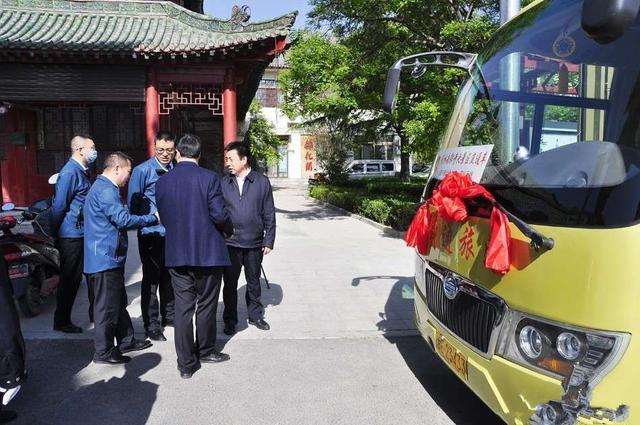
470 160
308 156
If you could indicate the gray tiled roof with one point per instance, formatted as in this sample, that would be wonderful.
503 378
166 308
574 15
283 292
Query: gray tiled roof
149 27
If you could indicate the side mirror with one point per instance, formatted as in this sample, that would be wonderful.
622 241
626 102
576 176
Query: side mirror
419 63
391 89
606 20
8 207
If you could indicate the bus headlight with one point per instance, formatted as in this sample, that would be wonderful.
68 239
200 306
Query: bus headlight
530 342
572 354
579 357
569 345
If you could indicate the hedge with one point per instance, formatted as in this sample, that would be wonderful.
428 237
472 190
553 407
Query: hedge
388 201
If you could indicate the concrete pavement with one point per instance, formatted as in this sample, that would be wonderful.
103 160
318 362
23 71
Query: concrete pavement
342 349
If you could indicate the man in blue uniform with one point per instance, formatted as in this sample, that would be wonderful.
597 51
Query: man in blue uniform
155 277
71 190
249 199
105 252
192 209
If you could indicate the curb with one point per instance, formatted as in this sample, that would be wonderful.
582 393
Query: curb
389 231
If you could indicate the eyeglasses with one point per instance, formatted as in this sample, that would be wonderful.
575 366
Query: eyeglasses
168 150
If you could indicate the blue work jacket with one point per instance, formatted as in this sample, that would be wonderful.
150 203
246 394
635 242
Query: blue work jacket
71 191
105 227
192 209
142 191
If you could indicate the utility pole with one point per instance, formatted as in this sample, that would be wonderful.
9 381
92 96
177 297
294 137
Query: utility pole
510 80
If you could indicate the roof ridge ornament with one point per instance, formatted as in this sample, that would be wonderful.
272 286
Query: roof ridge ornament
240 15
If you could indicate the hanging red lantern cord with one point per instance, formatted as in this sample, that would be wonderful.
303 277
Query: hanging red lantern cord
448 202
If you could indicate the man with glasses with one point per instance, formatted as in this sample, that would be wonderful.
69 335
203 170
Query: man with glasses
155 277
71 190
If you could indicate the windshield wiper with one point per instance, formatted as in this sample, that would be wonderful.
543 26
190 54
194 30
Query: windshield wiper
538 240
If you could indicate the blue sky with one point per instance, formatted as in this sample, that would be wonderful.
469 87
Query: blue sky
260 9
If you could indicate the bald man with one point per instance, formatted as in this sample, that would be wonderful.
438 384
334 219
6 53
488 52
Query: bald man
71 190
105 253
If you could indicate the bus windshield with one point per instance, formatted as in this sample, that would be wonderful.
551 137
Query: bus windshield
563 114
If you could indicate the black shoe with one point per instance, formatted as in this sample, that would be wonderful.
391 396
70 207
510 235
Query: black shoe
156 336
114 358
260 324
229 329
7 416
69 328
215 357
136 345
186 374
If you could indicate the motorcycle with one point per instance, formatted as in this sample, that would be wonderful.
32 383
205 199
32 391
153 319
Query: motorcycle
32 258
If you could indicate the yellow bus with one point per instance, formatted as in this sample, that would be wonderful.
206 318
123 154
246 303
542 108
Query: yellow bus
554 102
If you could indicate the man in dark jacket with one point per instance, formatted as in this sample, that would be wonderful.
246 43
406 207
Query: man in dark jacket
192 208
71 190
105 253
12 352
249 200
155 277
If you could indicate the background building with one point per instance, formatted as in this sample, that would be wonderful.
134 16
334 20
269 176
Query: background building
121 70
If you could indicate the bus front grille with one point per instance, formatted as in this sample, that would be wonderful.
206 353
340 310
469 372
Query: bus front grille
468 316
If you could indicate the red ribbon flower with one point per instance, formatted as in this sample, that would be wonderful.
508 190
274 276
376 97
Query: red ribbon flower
448 201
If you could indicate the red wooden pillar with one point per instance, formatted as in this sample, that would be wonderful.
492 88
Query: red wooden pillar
152 111
229 119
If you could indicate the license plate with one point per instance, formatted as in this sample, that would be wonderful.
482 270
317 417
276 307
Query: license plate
18 271
452 356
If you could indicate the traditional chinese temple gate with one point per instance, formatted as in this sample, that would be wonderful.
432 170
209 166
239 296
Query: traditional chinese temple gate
121 71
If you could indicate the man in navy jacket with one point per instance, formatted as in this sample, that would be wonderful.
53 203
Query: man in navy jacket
249 199
192 209
71 190
155 277
12 349
105 253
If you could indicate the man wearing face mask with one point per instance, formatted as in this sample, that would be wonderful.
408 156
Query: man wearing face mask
155 277
71 190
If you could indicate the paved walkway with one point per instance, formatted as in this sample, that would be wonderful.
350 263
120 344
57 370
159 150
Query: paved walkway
331 276
342 348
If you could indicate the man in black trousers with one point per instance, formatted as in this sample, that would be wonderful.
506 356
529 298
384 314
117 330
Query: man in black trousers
155 277
105 253
249 200
192 208
12 352
71 190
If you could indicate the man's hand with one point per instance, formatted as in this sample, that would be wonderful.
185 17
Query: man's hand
157 217
266 250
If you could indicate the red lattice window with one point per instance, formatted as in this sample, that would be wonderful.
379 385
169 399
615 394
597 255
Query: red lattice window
172 95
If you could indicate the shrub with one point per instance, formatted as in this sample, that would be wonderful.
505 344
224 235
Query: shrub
393 207
375 209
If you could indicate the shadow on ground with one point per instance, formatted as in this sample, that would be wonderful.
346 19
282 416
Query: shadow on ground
313 212
442 385
271 296
53 384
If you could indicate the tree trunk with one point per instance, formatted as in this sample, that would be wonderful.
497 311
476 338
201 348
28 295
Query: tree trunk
404 160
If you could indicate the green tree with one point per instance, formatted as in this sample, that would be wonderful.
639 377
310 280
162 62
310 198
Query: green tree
350 67
260 137
317 87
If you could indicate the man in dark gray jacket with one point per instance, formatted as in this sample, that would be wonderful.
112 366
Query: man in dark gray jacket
249 201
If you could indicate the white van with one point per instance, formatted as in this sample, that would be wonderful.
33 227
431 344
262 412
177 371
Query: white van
370 168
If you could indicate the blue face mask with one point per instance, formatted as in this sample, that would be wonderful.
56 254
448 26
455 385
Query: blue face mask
91 158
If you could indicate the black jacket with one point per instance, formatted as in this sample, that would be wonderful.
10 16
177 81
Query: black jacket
253 214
